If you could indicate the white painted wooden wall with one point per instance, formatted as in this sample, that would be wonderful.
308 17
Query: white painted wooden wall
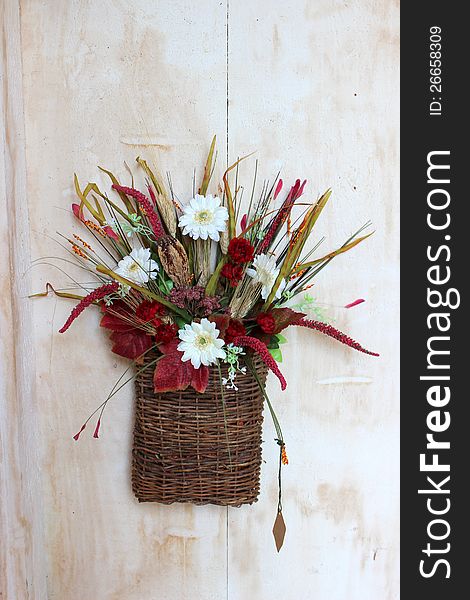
312 85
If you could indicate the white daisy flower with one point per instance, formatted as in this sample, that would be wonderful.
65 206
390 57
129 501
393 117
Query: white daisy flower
200 343
265 272
204 217
137 266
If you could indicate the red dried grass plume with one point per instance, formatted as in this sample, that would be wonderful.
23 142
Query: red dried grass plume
98 294
331 331
258 346
147 208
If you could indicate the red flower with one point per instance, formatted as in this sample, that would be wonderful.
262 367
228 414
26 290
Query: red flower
149 309
266 322
235 329
240 250
232 272
165 333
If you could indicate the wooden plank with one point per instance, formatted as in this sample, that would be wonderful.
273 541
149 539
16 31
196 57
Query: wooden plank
102 80
313 88
22 564
312 85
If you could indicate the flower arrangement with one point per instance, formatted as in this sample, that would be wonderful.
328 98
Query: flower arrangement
202 283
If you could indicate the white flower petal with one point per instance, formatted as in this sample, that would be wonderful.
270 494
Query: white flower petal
203 218
200 343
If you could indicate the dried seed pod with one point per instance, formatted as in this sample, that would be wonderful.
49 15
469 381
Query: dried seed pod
174 260
167 212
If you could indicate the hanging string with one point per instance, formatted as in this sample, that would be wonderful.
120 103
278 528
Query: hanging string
279 477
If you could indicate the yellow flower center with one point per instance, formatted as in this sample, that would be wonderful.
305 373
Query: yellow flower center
202 341
134 267
203 217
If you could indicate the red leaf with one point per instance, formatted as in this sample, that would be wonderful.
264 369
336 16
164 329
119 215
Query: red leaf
284 317
114 323
130 344
243 222
172 374
170 347
117 317
200 378
278 189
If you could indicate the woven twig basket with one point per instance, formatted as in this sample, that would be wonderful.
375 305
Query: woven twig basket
187 450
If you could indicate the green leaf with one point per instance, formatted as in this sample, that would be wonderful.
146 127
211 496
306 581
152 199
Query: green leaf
281 339
276 354
214 279
179 321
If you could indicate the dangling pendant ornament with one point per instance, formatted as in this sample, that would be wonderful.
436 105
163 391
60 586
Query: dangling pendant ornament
279 530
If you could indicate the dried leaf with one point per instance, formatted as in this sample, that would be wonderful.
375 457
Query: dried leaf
127 203
332 254
228 195
207 169
297 243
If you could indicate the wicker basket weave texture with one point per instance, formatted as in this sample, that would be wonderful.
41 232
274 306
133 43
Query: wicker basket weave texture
199 448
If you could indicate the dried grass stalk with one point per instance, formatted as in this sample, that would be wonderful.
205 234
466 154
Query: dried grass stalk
244 299
224 241
203 260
